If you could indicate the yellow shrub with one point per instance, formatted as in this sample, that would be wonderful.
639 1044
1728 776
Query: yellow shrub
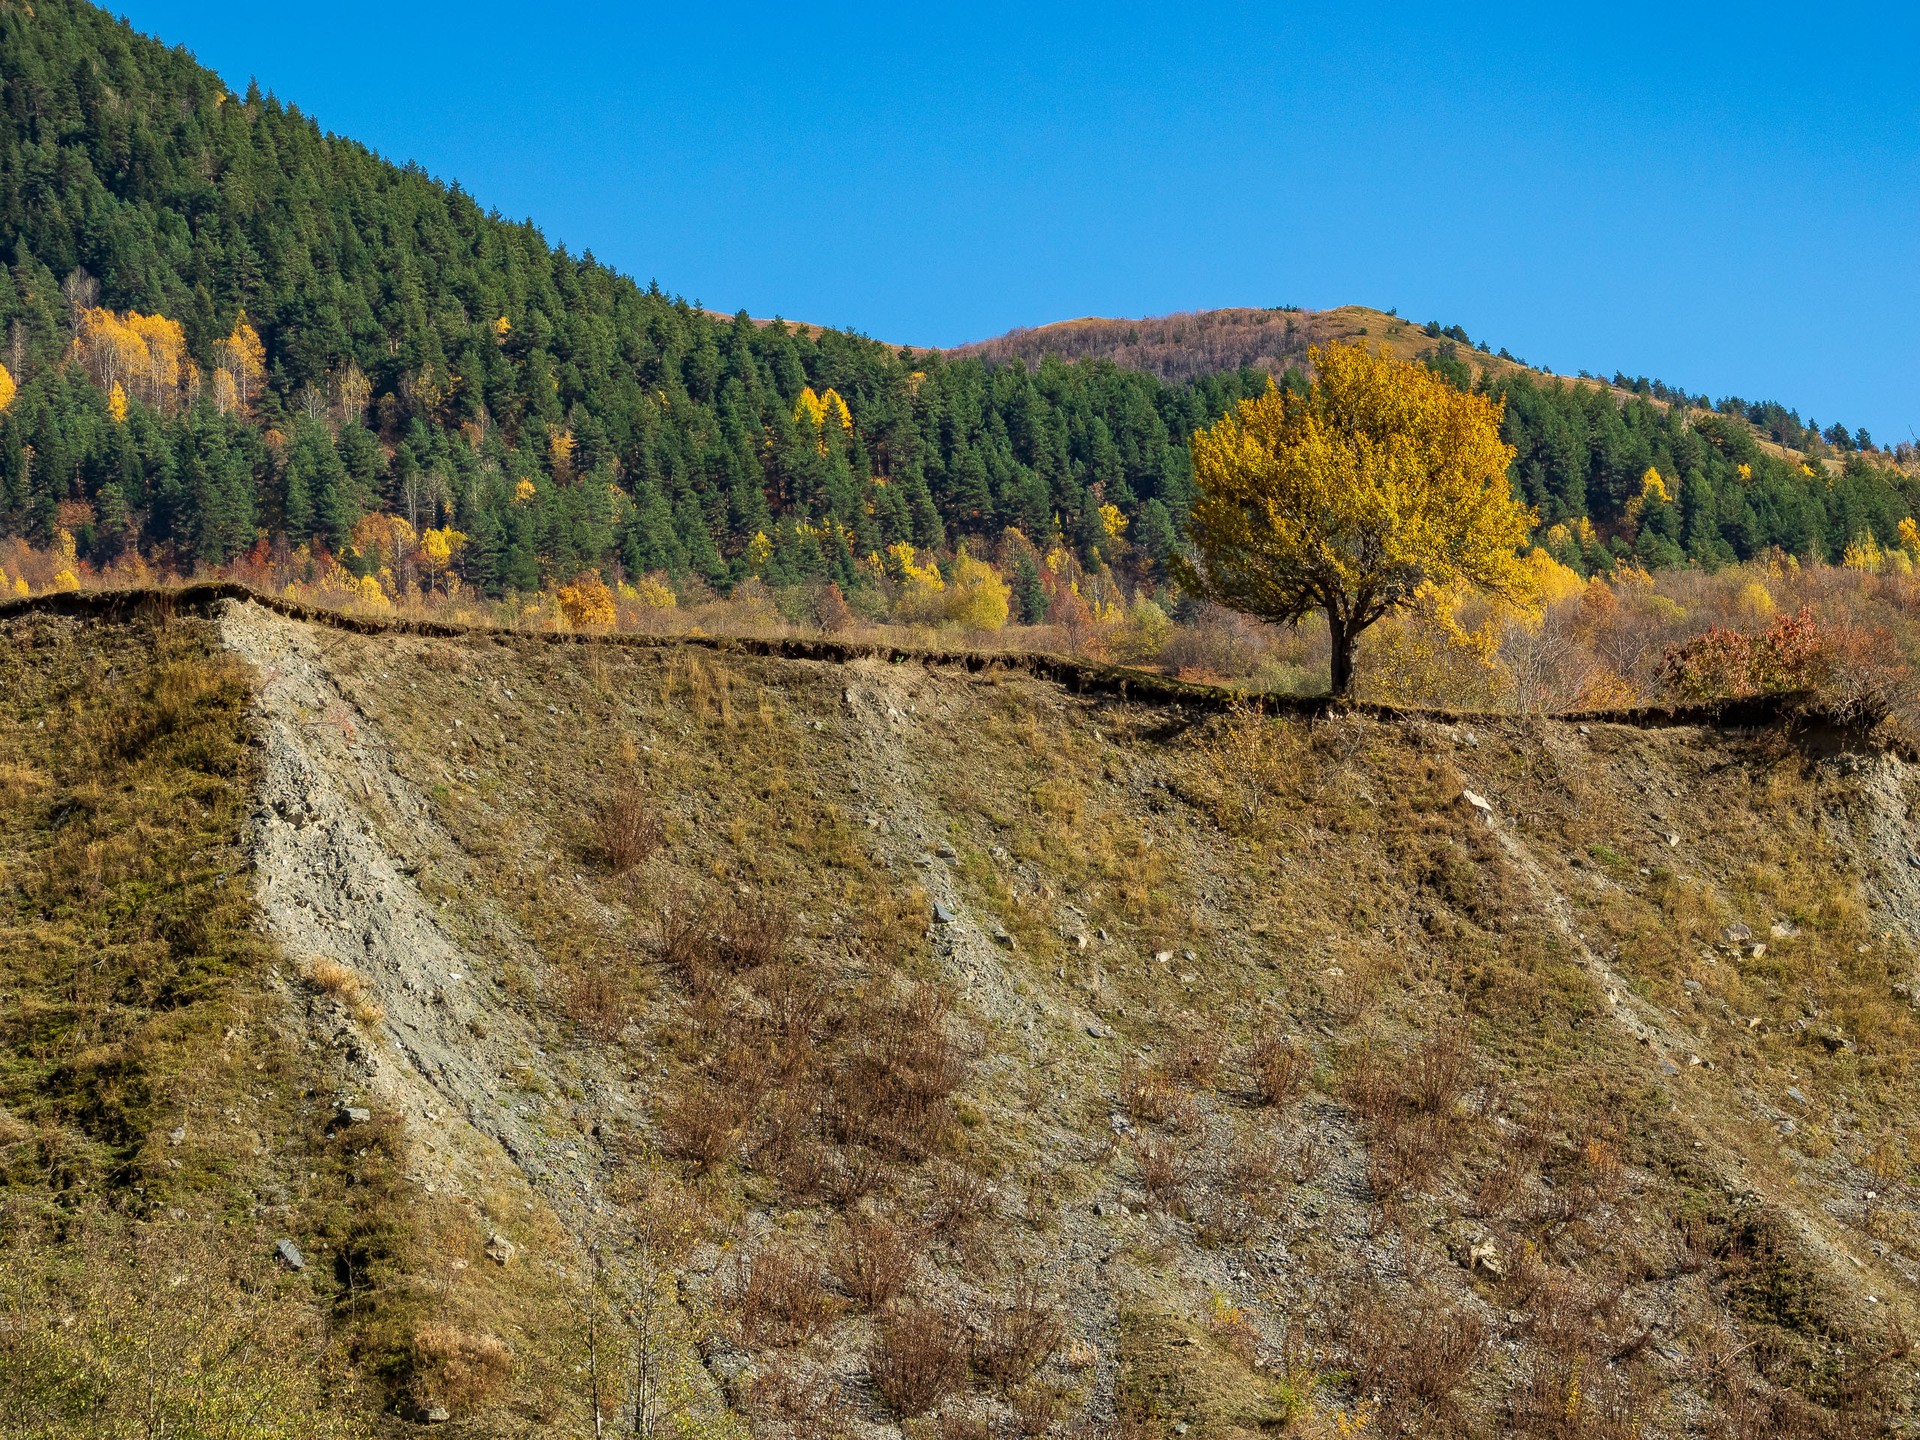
978 599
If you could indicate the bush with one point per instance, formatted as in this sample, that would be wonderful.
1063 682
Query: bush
1279 1069
775 1298
873 1261
456 1369
918 1359
627 827
1021 1336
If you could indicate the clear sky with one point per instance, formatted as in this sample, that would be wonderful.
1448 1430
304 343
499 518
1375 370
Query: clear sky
1727 198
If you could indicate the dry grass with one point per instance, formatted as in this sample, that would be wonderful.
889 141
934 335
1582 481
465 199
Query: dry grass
1279 1068
1021 1335
339 982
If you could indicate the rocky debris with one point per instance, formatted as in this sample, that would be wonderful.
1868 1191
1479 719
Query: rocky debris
942 915
1478 802
354 1114
1737 934
289 1255
177 1135
500 1250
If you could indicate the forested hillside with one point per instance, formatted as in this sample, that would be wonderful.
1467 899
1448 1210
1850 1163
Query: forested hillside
226 328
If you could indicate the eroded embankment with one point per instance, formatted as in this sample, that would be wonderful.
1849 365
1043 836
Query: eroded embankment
1584 1044
894 1038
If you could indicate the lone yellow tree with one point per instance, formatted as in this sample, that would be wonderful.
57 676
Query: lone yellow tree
1348 498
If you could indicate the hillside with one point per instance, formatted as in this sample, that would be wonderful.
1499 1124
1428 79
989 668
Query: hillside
804 1044
235 334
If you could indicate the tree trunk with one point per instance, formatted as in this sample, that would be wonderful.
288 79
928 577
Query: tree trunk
1343 639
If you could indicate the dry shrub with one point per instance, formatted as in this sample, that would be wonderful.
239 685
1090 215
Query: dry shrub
456 1369
918 1359
873 1261
1239 1195
1021 1336
1416 1350
596 1001
627 828
1194 1058
704 940
1165 1170
1152 1098
808 1403
774 1297
1408 1101
702 1126
1279 1069
963 1427
961 1201
894 1092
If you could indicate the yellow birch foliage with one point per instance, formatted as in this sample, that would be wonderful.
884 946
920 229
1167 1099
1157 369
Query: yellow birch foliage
243 361
587 601
7 388
1348 499
978 599
117 403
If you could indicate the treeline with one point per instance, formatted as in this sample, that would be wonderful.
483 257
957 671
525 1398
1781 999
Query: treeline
1668 486
229 329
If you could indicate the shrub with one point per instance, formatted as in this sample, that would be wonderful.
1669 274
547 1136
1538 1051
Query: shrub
918 1359
1021 1336
702 1126
774 1297
1165 1170
1279 1069
809 1403
873 1261
627 828
1417 1350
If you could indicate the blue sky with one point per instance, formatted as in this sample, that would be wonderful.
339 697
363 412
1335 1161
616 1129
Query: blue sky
1727 198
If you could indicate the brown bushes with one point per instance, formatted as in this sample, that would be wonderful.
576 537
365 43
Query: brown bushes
1021 1336
702 1126
1408 1101
704 941
1152 1098
627 828
810 1404
918 1359
873 1261
774 1297
1417 1349
1279 1069
1165 1170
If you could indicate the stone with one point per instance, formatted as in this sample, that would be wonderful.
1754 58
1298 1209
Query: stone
1672 840
1484 1255
1783 930
946 852
435 1415
500 1249
1478 802
1795 1094
289 1255
177 1135
355 1114
1738 933
1162 956
942 915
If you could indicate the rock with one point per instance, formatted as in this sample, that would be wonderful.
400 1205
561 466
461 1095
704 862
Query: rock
289 1255
435 1415
1163 956
1795 1094
1098 1032
1672 840
946 852
500 1249
1783 930
1757 951
1478 802
177 1135
1001 937
355 1114
942 915
1738 933
1484 1255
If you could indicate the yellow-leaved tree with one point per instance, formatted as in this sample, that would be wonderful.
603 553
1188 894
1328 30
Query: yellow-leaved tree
1349 498
7 388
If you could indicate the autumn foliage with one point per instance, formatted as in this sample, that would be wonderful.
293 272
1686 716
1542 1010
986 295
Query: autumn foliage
1379 481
